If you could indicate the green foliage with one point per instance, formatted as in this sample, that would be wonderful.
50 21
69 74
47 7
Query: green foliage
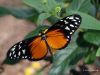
98 52
91 57
87 37
17 12
67 57
36 31
88 22
80 5
92 37
42 17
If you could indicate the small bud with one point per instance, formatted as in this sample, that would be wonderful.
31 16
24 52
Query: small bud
58 9
44 1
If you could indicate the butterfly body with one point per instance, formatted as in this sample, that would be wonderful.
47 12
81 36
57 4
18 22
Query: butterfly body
56 37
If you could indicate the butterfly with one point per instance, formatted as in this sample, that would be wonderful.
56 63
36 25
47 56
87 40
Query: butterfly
54 38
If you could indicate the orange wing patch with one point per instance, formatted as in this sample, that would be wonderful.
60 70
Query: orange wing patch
38 48
56 39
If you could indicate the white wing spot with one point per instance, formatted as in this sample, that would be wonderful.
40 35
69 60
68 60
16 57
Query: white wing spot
71 17
15 46
77 18
76 23
19 47
73 20
67 28
19 53
15 56
25 56
71 25
20 42
23 51
11 57
75 26
67 36
13 52
70 32
10 54
67 17
13 49
65 22
61 20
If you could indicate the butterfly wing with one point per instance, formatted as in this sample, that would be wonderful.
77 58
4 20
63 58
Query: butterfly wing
57 39
69 24
32 49
38 49
59 35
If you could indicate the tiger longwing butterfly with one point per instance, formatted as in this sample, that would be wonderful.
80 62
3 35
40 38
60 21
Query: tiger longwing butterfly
55 37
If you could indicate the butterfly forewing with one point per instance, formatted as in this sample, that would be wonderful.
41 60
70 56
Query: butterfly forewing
57 39
60 33
69 24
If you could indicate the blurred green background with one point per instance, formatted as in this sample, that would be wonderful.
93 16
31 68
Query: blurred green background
85 43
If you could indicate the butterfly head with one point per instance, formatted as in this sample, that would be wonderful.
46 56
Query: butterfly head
42 34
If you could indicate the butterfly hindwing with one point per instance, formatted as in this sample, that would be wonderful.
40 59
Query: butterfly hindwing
57 39
20 50
32 48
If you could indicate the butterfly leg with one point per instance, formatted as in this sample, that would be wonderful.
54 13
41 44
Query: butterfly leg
49 48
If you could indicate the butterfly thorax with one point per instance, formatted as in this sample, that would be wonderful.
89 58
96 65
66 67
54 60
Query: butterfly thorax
42 34
43 37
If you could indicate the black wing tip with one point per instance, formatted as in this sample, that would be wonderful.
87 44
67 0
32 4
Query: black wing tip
77 15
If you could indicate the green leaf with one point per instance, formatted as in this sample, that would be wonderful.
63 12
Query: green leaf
91 57
92 37
52 4
3 11
17 12
78 54
98 52
45 6
22 12
88 22
35 4
80 5
36 31
42 17
39 5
